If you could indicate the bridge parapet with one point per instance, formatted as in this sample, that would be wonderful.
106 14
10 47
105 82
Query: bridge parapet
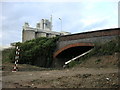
70 46
91 34
100 36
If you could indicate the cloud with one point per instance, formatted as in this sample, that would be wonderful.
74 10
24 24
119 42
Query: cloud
76 16
98 15
58 0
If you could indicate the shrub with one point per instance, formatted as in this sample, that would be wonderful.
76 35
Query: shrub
37 52
7 55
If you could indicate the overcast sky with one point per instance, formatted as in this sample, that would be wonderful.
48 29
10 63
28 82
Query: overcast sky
82 16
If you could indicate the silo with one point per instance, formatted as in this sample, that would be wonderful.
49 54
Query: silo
38 25
45 24
42 24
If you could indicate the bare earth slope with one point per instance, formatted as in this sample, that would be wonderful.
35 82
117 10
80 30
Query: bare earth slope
97 72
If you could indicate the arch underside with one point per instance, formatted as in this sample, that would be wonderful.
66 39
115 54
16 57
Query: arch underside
73 50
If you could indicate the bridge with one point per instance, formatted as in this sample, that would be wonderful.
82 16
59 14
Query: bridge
70 46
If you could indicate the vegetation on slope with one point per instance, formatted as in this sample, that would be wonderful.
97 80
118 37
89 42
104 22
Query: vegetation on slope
37 52
108 48
5 55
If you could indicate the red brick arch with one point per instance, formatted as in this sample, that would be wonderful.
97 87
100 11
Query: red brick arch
70 46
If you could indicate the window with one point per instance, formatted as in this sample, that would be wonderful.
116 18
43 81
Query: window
47 34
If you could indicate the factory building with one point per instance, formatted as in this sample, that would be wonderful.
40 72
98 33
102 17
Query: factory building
42 29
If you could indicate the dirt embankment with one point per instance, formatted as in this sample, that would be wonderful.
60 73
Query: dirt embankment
106 61
97 72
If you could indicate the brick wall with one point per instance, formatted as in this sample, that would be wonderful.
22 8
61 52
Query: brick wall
100 36
100 33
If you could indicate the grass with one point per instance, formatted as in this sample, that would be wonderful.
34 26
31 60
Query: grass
98 61
108 48
5 55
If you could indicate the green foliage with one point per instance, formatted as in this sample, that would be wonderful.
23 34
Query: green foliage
73 63
37 52
6 55
101 49
98 61
108 48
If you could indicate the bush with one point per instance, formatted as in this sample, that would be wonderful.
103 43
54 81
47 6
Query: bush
7 55
37 52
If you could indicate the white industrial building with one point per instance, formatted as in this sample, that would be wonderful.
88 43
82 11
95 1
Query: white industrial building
42 29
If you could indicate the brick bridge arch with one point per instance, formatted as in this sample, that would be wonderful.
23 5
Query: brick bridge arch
70 46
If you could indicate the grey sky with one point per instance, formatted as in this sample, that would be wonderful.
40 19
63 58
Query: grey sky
76 16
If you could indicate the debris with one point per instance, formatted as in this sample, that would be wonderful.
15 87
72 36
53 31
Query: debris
86 75
113 74
30 74
47 73
21 85
16 83
67 70
64 66
107 78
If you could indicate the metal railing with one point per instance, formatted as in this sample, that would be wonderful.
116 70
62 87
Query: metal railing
77 57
